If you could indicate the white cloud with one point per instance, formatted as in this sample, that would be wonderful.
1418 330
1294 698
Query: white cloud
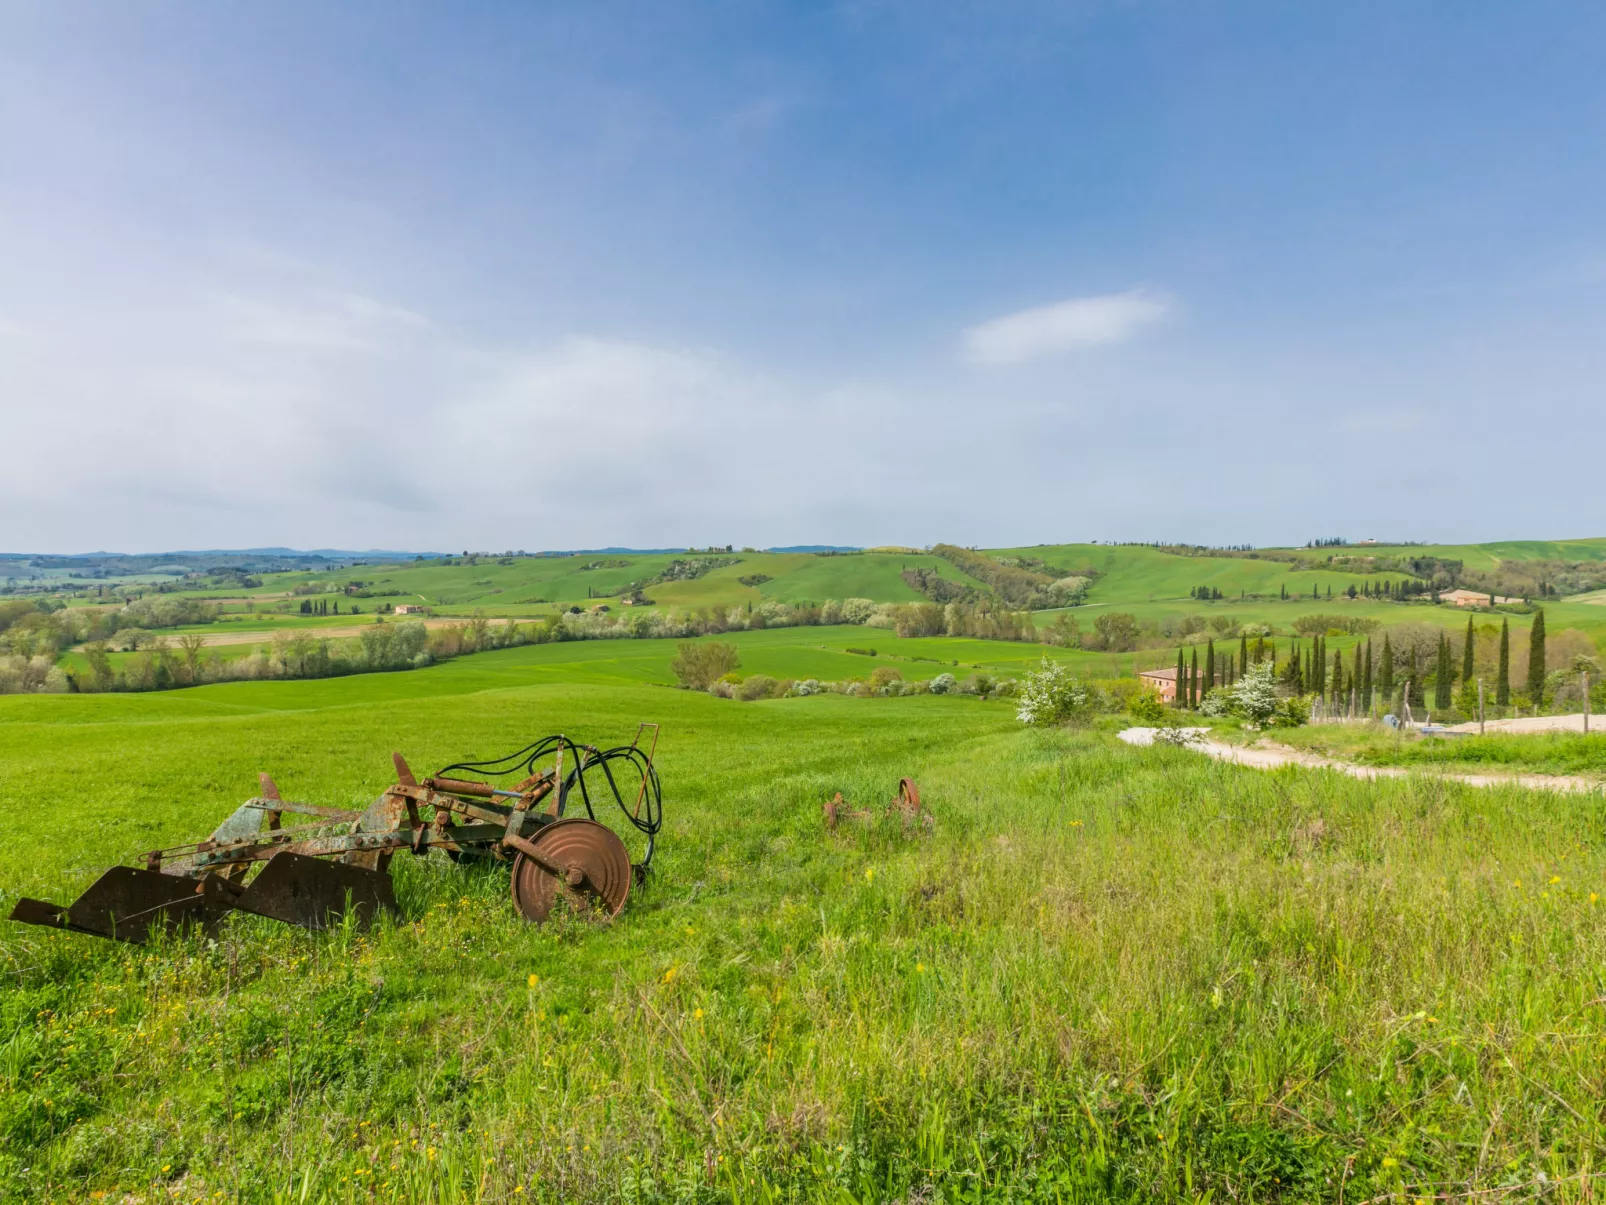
1064 326
346 321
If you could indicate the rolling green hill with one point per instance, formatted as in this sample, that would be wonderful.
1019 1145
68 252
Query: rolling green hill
1126 575
1137 573
537 585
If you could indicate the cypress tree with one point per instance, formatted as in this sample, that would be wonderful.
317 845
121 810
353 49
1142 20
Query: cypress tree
1210 665
1243 652
1177 696
1319 666
1466 654
1193 681
1285 591
1366 681
1502 687
1441 674
1536 659
1385 671
1338 676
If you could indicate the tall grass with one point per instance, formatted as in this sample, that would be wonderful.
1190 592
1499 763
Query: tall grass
1104 974
1539 752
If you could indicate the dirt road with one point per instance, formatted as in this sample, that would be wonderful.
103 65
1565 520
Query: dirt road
1268 756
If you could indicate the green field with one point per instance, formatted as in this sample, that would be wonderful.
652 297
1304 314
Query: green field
1134 573
1105 974
530 585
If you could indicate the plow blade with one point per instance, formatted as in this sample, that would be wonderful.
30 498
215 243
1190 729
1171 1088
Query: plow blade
123 903
314 894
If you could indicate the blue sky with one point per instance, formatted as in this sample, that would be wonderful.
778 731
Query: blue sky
539 276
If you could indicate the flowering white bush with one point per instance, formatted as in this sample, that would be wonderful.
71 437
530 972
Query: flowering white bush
809 686
1254 696
857 610
882 617
1050 695
943 683
776 613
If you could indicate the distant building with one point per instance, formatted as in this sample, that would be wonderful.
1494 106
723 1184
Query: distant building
1162 681
412 609
1472 598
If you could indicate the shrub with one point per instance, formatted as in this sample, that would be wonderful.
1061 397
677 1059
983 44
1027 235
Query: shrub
809 686
759 686
1291 713
1147 707
882 678
943 684
1116 693
977 684
700 662
1216 703
1050 695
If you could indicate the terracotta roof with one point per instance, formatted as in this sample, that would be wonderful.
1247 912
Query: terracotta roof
1169 673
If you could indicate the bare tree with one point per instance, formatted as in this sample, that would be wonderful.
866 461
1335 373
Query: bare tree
190 645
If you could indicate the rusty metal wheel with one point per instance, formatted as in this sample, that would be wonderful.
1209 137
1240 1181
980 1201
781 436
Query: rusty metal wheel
597 867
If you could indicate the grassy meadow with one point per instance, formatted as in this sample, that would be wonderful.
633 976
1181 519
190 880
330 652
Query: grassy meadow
1102 974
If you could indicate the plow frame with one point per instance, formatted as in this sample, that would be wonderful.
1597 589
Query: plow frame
312 874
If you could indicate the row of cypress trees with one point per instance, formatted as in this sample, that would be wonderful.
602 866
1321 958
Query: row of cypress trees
1307 671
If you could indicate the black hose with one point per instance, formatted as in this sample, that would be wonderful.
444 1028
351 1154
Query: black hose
583 759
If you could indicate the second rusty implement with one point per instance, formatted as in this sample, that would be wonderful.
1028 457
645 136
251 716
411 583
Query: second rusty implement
541 818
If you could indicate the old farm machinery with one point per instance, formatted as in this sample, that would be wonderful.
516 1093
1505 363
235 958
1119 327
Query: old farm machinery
542 818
